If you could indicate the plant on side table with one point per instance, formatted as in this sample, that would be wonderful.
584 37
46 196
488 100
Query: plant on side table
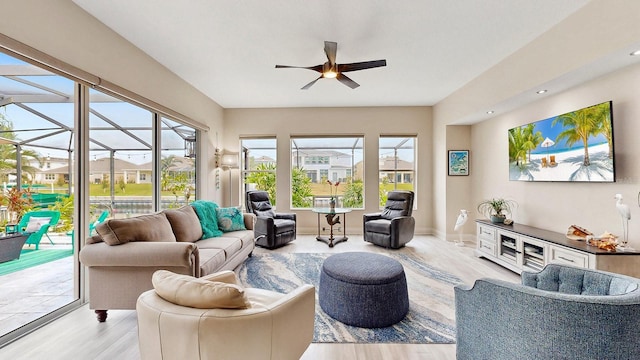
497 209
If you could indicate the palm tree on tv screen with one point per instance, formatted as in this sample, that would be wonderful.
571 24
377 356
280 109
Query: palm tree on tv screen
582 124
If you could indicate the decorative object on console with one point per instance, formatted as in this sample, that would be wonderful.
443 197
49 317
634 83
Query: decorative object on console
497 209
462 219
607 241
576 232
548 150
458 162
625 214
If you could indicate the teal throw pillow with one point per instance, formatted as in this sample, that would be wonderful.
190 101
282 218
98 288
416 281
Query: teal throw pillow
230 219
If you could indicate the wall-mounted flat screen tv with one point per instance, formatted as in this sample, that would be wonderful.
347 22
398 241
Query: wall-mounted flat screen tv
576 146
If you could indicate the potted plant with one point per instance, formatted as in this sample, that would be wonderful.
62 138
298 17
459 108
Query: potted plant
496 209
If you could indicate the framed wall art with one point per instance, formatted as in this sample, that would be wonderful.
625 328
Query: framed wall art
458 162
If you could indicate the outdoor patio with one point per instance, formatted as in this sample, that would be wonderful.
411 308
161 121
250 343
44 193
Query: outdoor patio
32 292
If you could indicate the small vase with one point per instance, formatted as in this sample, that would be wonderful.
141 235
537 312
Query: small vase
332 204
497 219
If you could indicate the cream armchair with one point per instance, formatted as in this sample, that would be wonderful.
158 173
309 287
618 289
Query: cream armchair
275 326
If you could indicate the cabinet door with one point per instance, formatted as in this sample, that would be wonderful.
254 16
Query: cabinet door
509 248
486 239
534 253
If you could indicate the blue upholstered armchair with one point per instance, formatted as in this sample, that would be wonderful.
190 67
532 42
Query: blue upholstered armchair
562 312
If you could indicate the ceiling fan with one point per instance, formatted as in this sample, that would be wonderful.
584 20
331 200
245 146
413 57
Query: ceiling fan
331 70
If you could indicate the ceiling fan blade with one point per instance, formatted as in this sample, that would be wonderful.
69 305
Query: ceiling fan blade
317 68
330 49
347 81
306 87
361 65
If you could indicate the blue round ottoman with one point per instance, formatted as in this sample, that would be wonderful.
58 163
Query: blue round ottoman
363 289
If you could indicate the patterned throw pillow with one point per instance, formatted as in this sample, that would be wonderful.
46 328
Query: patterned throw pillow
230 219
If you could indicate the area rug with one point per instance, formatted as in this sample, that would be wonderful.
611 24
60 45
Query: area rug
30 258
431 317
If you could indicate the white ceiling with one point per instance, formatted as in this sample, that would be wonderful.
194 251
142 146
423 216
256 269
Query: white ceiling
228 49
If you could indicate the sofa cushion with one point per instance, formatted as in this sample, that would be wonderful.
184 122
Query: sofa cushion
185 224
198 293
153 227
230 219
230 245
211 260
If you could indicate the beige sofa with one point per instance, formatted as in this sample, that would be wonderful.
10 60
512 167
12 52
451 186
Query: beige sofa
126 252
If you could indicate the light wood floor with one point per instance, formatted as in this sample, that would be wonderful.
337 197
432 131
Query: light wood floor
78 335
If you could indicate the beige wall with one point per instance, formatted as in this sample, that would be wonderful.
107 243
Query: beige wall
370 122
62 30
561 55
557 205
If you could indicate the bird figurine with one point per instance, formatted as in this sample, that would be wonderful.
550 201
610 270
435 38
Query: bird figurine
625 214
332 219
462 219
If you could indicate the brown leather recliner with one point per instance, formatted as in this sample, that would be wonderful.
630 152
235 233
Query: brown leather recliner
271 229
394 226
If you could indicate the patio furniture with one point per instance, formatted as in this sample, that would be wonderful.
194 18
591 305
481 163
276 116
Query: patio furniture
92 227
11 245
561 312
363 289
38 223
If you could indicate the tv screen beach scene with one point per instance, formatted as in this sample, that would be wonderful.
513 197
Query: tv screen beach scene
576 146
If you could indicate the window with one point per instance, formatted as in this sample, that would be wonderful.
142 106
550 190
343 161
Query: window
121 150
258 164
37 120
177 164
396 165
317 160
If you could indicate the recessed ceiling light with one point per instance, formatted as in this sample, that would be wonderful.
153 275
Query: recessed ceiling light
490 112
541 91
637 52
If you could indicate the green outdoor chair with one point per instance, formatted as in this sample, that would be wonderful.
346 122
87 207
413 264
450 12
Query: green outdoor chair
38 223
92 227
101 218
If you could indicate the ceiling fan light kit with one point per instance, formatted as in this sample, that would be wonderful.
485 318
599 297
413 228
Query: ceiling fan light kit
331 70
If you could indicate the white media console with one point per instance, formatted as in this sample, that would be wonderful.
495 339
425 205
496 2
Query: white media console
521 247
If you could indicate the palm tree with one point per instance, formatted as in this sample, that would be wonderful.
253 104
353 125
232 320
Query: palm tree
9 153
602 115
517 150
579 125
531 139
